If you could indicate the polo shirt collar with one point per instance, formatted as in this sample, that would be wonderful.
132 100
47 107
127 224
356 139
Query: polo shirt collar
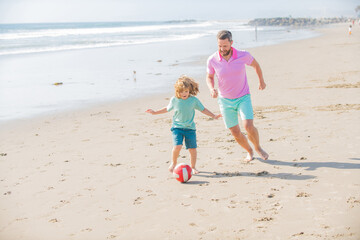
233 56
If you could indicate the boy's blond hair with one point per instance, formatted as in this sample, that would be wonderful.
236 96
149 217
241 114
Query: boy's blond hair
185 82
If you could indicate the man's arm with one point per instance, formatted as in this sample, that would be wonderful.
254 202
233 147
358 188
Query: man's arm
210 81
262 84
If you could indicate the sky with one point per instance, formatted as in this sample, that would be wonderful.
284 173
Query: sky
34 11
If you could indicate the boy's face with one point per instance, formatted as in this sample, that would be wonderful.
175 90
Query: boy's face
184 94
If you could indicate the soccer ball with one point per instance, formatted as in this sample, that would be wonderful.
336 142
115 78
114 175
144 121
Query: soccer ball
182 172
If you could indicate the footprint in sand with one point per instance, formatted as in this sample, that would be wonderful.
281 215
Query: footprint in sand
62 203
150 193
204 184
87 230
21 219
202 212
186 204
298 234
353 201
232 204
138 200
113 164
264 219
212 228
303 194
223 147
271 195
262 173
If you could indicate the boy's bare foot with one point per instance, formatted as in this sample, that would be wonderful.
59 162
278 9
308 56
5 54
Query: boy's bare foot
249 158
171 168
263 154
194 171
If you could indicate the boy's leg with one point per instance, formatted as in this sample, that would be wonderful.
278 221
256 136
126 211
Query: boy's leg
175 154
191 145
193 156
178 137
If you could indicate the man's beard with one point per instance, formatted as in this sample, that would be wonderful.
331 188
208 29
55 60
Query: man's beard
224 54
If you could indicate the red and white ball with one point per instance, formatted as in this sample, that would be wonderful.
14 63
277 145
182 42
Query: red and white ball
182 172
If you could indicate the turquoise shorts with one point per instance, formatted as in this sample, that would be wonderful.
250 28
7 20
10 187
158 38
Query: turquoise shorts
231 108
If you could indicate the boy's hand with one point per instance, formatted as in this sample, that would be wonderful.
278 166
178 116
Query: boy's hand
217 116
150 111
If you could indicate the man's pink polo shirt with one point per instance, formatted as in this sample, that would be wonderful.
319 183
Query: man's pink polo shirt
231 74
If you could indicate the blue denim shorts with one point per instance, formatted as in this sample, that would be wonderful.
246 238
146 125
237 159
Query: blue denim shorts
180 133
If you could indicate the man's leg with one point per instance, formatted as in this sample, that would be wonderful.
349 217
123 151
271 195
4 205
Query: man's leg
242 141
253 136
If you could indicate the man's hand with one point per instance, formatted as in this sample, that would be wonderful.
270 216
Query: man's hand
214 93
262 86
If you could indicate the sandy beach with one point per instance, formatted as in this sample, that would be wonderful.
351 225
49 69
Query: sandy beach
101 173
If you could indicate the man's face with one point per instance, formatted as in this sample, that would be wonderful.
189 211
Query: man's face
224 47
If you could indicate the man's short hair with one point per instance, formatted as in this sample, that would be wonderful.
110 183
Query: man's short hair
224 34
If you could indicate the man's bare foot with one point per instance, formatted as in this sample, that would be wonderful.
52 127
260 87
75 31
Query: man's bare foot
194 171
249 158
171 167
263 154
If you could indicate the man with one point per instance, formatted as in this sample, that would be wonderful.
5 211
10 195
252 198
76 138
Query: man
234 96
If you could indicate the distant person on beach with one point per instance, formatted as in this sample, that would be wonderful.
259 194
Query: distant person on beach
350 28
183 127
234 99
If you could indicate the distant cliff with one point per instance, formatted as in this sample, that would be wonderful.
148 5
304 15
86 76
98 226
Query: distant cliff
300 22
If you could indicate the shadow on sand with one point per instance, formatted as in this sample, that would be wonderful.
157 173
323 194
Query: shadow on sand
311 166
200 183
263 174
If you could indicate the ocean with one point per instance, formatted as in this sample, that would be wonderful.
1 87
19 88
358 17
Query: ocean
50 67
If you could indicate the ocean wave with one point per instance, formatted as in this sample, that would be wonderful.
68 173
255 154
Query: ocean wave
99 31
101 45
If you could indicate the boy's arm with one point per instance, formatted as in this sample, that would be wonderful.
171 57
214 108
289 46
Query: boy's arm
210 114
160 111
